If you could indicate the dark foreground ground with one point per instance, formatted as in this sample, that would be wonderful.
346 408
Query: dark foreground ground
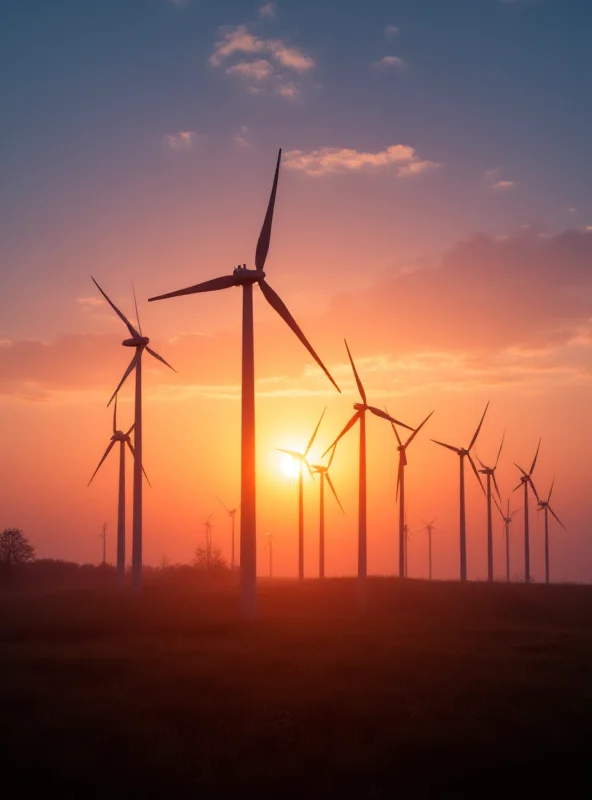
442 690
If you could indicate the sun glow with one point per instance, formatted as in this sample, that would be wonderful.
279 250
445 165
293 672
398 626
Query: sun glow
289 466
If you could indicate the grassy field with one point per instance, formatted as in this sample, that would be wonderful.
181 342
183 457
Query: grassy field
442 690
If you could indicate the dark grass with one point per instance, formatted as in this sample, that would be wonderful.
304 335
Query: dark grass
441 690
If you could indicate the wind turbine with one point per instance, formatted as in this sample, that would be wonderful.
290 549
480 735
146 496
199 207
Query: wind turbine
360 415
123 439
429 527
544 505
490 473
103 536
232 515
402 449
323 471
406 547
507 518
245 278
526 481
463 453
208 526
302 460
140 343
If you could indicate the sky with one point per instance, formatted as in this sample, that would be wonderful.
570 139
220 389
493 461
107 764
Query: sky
434 208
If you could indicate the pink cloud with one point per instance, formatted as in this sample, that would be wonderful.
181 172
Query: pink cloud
331 159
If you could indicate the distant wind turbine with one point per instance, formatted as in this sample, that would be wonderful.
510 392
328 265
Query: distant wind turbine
324 473
123 439
526 481
507 518
302 460
402 449
490 473
232 515
103 536
463 453
544 505
429 527
360 415
140 343
208 526
245 278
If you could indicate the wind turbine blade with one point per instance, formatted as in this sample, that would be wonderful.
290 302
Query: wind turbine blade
131 429
551 489
312 438
278 305
330 482
514 510
474 439
115 415
332 456
105 454
499 452
222 503
121 316
521 470
472 463
386 416
160 358
309 468
133 452
349 425
400 473
499 508
557 518
496 486
394 427
442 444
265 235
292 453
518 487
533 487
225 282
536 455
417 430
479 460
137 312
356 376
132 365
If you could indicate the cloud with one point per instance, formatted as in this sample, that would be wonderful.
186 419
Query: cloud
268 11
241 139
240 40
183 140
91 301
331 159
262 62
492 176
391 30
390 62
252 70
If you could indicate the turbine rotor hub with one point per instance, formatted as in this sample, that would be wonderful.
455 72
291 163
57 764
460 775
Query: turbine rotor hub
244 275
136 341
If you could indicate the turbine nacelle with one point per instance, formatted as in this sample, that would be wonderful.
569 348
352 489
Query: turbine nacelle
120 436
360 407
243 275
136 341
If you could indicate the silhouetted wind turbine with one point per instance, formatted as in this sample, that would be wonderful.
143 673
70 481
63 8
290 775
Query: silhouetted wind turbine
463 453
324 473
140 343
232 515
301 458
507 518
544 506
360 415
103 536
429 527
402 449
208 526
490 473
244 277
123 439
526 481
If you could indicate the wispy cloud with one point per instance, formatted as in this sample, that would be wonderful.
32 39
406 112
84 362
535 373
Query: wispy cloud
391 30
389 62
241 40
252 70
90 301
241 138
183 140
496 183
262 63
268 11
400 157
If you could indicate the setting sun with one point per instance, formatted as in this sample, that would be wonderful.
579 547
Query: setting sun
289 466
